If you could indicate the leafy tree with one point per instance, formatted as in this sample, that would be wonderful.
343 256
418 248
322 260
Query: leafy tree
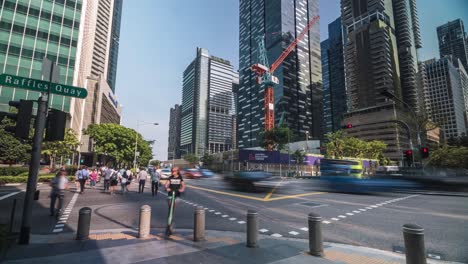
191 158
276 138
335 145
11 148
449 157
118 142
155 163
207 159
299 156
64 148
339 145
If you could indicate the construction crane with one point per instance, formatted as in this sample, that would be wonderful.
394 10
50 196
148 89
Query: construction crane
265 73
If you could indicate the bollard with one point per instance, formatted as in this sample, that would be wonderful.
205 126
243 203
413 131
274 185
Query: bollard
252 228
315 235
199 224
36 195
84 221
414 244
145 220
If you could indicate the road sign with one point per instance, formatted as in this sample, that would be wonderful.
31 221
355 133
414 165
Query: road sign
47 67
42 86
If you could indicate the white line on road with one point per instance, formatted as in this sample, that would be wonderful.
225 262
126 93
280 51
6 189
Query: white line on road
363 210
276 235
59 225
335 219
294 233
369 208
349 214
241 222
58 230
8 195
373 206
356 212
211 211
326 222
263 230
342 216
224 216
217 213
305 229
232 218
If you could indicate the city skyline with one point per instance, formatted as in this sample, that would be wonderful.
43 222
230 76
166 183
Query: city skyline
217 30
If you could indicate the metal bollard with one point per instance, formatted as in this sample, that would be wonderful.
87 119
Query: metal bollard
315 235
145 220
84 221
252 228
414 244
199 224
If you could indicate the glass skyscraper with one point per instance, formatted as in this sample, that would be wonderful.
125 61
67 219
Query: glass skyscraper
298 96
31 30
114 42
452 41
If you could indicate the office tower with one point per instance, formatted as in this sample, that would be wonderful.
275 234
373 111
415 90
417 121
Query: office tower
298 96
235 97
93 66
444 95
380 55
32 30
207 102
114 44
333 76
173 149
452 41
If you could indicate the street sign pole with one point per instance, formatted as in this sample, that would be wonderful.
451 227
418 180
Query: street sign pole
35 164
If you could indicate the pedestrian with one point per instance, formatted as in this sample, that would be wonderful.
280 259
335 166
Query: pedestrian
107 175
123 180
93 177
130 178
142 175
59 184
113 181
155 177
83 176
77 182
175 183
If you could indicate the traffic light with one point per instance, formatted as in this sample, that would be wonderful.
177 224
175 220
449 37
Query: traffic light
55 126
22 118
424 152
408 157
347 126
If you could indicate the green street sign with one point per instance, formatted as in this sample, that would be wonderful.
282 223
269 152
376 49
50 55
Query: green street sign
42 86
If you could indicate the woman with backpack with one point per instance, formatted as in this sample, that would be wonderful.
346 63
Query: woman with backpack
113 181
123 180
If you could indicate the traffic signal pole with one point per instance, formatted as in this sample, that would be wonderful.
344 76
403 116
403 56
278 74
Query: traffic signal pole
33 169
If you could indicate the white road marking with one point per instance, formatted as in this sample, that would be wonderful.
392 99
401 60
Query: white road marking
294 233
325 222
59 225
356 212
8 195
58 230
63 219
434 256
232 218
276 235
349 214
342 216
224 216
206 208
369 208
263 230
211 211
335 219
305 229
241 222
217 213
373 206
363 210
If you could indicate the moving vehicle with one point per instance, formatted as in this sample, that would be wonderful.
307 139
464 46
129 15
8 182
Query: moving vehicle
206 173
165 173
191 174
251 180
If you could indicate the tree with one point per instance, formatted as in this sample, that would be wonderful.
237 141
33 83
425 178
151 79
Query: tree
276 138
335 145
449 157
191 158
11 149
207 159
118 142
299 156
339 145
64 148
155 163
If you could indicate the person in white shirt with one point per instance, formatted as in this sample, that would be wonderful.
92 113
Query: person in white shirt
142 176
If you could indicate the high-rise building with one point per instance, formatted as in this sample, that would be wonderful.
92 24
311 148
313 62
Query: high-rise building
114 45
32 30
298 96
380 55
235 107
93 66
444 95
333 76
207 102
173 149
452 41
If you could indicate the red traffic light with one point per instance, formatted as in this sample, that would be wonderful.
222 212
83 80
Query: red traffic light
424 150
409 152
349 126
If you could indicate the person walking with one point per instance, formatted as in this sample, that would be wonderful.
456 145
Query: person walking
142 175
59 184
155 177
83 176
123 180
107 175
130 178
113 181
93 177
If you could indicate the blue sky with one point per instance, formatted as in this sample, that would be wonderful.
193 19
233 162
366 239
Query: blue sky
158 39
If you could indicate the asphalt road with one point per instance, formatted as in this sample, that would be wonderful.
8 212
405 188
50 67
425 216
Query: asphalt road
367 220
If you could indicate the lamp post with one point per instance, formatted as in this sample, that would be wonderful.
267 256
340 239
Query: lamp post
136 139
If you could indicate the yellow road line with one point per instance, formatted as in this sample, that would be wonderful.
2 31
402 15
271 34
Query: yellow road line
226 193
273 190
294 196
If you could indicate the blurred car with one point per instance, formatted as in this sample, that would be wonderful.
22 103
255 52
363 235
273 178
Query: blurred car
191 174
206 173
252 180
165 174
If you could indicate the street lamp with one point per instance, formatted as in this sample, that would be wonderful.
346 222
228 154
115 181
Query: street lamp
136 139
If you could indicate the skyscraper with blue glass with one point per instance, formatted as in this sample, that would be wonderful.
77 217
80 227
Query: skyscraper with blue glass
298 96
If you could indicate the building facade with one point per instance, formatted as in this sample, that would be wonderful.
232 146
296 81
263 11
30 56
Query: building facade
381 39
32 30
173 149
298 96
452 41
207 105
114 46
333 76
444 95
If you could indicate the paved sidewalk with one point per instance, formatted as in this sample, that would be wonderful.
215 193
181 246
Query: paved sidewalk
123 246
